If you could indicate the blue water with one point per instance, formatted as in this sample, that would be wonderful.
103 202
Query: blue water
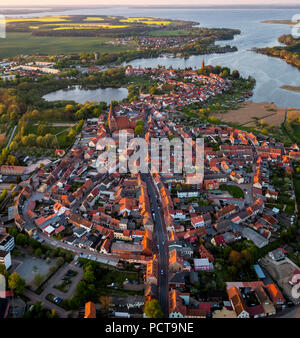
270 73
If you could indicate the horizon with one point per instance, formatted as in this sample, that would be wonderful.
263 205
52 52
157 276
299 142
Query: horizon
154 3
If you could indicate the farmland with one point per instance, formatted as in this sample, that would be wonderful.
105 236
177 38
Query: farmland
25 43
95 25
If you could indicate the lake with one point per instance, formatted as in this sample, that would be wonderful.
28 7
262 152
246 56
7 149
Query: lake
81 95
270 73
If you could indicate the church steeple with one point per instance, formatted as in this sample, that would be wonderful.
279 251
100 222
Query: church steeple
111 118
202 64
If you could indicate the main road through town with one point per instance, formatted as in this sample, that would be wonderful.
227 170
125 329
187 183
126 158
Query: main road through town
160 234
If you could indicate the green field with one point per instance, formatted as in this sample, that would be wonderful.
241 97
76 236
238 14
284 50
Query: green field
25 43
233 190
296 130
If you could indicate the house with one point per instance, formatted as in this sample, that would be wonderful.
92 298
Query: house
211 184
60 152
7 242
226 211
177 280
277 254
222 226
177 308
197 221
90 310
176 263
152 270
237 178
204 253
275 295
202 264
218 241
268 307
237 302
271 194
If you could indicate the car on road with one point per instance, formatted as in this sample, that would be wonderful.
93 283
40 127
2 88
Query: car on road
161 271
58 300
163 242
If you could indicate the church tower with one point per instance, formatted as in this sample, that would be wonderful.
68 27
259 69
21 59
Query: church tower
202 64
112 123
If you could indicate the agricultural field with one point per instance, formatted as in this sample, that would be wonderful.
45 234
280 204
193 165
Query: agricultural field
250 114
25 43
94 25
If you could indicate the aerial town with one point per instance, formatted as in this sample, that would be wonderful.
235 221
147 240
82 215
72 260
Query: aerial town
220 247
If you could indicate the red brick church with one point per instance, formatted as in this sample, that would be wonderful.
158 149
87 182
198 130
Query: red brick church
119 122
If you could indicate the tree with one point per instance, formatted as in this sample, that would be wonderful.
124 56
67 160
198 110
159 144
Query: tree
89 276
21 239
13 231
104 301
42 129
153 309
38 279
138 130
16 283
236 258
38 252
235 74
60 261
3 271
13 146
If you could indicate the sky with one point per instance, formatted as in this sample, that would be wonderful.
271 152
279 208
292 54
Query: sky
38 3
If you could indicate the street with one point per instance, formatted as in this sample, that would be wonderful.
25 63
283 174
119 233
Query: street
163 255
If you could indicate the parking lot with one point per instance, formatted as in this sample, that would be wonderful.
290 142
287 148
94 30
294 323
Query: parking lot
30 266
63 275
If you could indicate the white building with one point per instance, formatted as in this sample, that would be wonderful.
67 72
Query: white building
5 258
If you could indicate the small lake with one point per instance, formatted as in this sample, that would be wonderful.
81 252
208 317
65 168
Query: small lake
81 95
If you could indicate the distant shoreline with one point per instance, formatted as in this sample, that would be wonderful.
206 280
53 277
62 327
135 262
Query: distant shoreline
280 22
291 88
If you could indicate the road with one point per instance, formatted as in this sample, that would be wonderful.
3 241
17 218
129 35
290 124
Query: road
163 254
34 298
12 135
293 312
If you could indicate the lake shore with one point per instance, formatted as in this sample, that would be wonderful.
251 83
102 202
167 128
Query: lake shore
280 22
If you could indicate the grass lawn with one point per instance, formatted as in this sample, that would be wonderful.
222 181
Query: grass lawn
233 190
25 43
33 129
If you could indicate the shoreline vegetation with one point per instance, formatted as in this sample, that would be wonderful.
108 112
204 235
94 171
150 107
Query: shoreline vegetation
289 53
280 22
291 88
